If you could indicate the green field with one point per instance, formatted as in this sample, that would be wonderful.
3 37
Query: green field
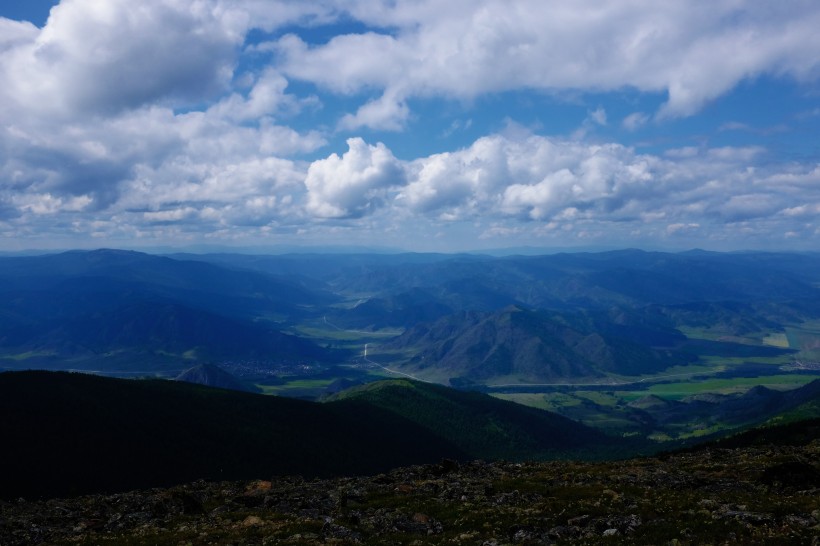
712 334
676 391
777 340
19 357
603 410
806 339
316 387
300 384
327 334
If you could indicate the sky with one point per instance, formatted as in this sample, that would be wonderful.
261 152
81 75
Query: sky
414 124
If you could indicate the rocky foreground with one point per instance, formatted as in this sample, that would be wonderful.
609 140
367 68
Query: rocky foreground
768 495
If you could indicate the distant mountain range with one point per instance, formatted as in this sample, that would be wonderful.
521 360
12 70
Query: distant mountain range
576 315
737 290
115 309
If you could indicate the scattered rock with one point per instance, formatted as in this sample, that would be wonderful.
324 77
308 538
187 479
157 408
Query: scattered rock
680 495
332 530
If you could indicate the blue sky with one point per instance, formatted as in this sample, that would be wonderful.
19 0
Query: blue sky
417 125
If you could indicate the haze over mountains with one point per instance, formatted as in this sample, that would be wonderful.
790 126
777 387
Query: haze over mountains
557 316
143 312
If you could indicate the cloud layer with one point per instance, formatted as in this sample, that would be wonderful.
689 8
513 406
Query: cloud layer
692 53
165 121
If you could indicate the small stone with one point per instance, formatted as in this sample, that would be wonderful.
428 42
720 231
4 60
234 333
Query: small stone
522 535
611 533
252 521
257 487
418 517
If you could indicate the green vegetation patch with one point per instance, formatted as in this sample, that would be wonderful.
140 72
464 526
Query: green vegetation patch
805 338
676 391
321 331
544 401
28 355
777 340
310 389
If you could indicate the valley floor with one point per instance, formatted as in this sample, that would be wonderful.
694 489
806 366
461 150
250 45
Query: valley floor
760 495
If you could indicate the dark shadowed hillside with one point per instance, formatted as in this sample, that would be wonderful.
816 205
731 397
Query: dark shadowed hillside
66 434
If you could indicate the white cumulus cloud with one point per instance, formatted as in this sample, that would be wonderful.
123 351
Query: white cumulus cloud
691 52
353 184
99 57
